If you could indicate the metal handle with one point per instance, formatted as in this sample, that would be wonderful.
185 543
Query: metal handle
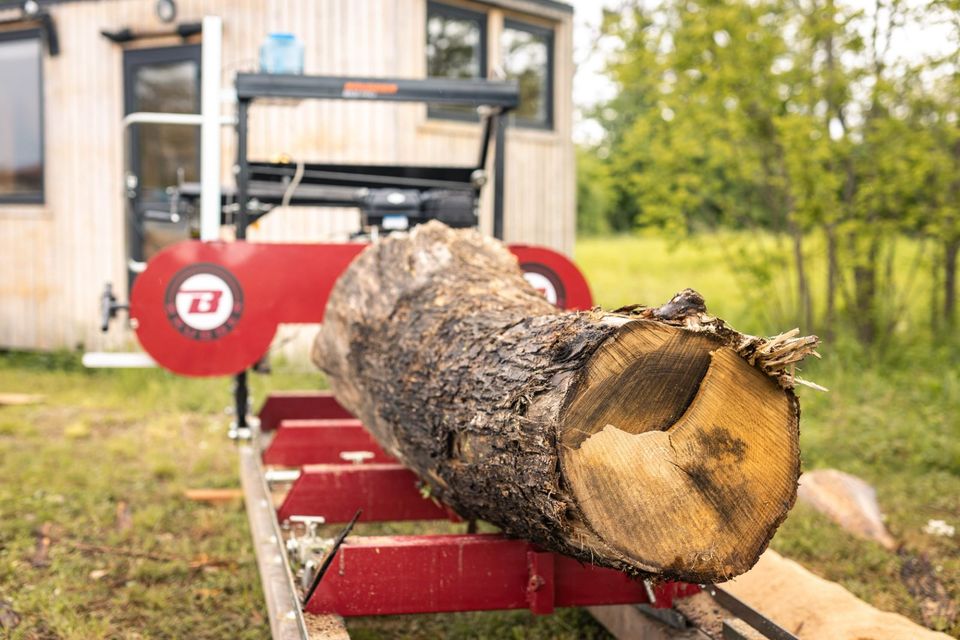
109 307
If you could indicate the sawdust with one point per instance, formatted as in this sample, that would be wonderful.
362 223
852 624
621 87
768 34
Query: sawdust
704 613
325 627
811 607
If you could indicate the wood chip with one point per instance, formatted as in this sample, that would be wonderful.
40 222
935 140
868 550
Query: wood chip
16 399
848 501
123 520
41 554
213 496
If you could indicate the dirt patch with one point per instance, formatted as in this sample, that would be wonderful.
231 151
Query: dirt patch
920 578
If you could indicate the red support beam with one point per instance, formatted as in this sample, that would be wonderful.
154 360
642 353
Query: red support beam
385 492
417 574
300 442
387 575
299 405
541 586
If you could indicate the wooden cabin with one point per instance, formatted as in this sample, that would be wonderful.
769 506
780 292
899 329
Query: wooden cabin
65 167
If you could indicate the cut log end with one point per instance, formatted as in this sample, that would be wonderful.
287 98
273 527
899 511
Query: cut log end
680 455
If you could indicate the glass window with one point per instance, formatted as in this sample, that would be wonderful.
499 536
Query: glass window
21 117
163 80
456 48
528 59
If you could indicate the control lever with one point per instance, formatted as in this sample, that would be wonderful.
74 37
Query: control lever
109 307
155 215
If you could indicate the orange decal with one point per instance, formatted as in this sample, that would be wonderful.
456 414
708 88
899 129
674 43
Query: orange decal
354 88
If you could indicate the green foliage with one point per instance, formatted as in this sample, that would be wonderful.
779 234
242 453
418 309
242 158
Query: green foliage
594 193
793 117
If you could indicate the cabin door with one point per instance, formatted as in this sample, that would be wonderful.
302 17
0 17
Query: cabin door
165 80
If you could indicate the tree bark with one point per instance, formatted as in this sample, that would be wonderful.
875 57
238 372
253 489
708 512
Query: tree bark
654 440
951 250
833 270
803 289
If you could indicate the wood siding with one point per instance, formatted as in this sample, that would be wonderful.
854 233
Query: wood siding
55 257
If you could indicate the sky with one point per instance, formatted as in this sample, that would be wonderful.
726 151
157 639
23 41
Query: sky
591 86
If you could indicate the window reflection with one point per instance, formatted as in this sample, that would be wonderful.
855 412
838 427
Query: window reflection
527 58
455 49
21 118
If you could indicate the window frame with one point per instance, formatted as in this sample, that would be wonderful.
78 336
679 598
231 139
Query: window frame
435 112
549 36
38 197
133 60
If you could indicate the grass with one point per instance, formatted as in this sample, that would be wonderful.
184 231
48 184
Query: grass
129 442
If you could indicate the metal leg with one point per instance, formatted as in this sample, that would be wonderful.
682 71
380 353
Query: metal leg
242 168
241 398
498 175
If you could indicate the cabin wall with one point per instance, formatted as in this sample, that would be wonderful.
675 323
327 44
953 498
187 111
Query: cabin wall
55 257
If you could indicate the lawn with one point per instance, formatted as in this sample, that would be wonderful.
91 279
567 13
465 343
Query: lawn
100 467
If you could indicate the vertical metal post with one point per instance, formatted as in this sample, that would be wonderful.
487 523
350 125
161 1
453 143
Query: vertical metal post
484 141
241 395
499 123
243 107
241 391
210 67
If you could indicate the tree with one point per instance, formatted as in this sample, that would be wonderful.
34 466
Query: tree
594 193
795 117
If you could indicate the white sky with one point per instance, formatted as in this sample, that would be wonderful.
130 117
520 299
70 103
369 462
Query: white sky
591 86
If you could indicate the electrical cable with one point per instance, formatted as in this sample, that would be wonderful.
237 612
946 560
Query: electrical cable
297 177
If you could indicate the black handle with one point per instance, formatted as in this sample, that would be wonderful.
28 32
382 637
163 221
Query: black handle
109 307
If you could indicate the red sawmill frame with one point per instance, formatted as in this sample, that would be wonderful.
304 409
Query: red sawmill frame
386 575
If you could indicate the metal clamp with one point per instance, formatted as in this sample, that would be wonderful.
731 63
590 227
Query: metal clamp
356 457
281 476
306 550
328 558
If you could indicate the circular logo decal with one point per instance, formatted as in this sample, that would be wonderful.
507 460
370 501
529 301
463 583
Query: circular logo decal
546 282
204 302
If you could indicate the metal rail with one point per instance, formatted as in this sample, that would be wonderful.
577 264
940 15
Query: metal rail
762 624
283 603
504 95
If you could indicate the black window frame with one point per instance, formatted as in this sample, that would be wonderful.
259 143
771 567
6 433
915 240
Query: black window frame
458 13
548 34
133 59
40 196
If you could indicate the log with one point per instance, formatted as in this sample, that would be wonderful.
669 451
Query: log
658 441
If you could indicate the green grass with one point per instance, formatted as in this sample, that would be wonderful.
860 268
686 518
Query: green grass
141 437
99 440
746 278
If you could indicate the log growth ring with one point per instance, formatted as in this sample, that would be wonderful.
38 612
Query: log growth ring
679 454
